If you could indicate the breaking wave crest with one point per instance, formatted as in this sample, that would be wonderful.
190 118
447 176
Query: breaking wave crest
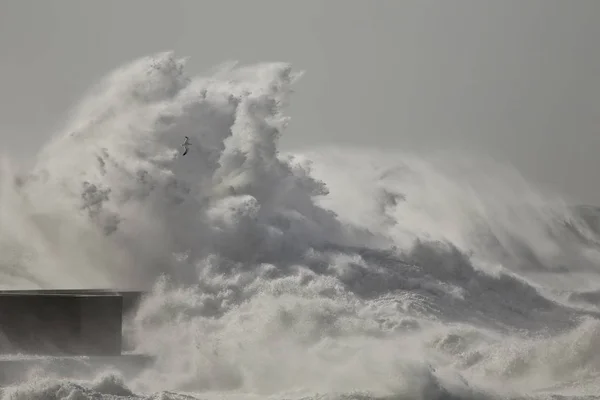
341 273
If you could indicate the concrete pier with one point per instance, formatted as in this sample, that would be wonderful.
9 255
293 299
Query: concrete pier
64 322
73 333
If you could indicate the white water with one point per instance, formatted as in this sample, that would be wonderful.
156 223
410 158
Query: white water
336 272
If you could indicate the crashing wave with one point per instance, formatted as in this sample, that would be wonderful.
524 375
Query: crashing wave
332 271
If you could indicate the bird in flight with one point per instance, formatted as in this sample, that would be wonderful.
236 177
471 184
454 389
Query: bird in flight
186 145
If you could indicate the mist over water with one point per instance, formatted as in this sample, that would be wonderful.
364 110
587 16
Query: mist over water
336 273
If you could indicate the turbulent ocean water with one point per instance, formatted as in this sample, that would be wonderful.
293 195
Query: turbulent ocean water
336 273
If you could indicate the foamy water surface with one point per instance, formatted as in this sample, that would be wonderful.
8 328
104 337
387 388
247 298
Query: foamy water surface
331 273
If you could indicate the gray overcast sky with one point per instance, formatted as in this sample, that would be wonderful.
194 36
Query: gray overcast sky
516 79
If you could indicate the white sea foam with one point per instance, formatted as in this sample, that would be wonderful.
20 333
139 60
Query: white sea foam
335 272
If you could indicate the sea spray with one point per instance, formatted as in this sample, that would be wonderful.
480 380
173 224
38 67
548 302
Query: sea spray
335 272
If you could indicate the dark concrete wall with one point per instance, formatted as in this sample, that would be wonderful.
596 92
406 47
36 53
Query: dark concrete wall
131 298
64 322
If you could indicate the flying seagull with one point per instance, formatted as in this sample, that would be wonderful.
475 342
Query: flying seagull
186 145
